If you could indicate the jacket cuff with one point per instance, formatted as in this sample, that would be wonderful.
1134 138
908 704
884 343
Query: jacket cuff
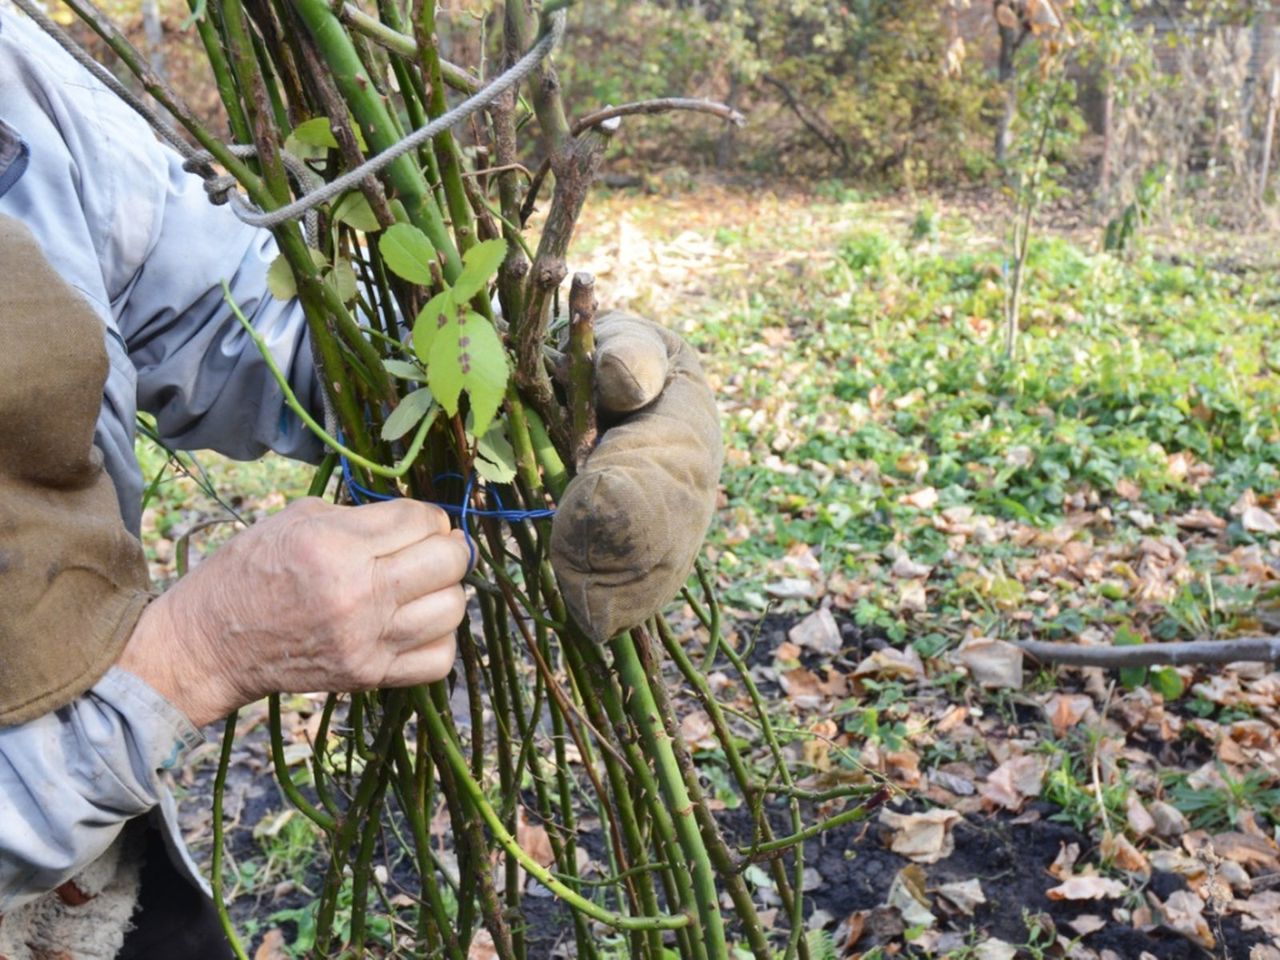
161 732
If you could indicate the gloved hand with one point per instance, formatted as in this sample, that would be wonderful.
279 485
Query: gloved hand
631 523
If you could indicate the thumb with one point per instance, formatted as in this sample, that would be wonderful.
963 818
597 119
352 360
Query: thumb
632 362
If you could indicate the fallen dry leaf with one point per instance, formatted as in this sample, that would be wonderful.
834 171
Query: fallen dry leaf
921 837
926 498
1201 519
904 568
966 896
991 663
1169 820
1256 854
994 949
1184 914
786 651
698 731
1087 887
272 946
1014 782
1064 863
1117 848
482 947
533 840
1140 821
818 632
1261 912
1065 710
907 896
912 597
851 928
807 691
954 716
1257 520
892 664
1086 924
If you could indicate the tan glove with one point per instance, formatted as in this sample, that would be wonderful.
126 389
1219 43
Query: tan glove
631 523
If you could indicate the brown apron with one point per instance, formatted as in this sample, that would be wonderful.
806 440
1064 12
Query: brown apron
73 581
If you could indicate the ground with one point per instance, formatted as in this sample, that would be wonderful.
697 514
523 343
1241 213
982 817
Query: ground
900 504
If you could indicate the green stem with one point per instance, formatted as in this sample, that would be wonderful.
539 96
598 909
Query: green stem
219 790
291 399
859 813
458 763
379 126
643 711
320 818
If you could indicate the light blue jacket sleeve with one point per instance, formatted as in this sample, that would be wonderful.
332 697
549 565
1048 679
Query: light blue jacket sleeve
119 219
71 779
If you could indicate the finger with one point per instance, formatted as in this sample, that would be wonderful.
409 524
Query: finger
426 618
423 567
391 525
423 664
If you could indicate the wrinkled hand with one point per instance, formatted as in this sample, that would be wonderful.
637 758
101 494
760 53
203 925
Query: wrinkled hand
316 597
631 523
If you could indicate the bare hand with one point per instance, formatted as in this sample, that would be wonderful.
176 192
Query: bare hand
316 597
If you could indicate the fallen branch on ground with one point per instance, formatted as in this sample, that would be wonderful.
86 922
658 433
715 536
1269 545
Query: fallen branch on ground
1245 649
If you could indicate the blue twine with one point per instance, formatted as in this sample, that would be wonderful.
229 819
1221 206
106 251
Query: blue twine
362 494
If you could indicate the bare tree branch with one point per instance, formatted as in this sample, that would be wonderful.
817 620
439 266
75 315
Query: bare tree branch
662 105
811 121
1251 649
603 116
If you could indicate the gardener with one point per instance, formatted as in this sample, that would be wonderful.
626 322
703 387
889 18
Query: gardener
111 263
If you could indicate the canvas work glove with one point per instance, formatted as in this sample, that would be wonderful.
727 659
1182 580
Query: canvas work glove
631 523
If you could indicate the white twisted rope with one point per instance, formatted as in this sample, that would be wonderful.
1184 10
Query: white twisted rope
311 191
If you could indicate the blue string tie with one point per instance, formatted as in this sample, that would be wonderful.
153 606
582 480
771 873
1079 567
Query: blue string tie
362 494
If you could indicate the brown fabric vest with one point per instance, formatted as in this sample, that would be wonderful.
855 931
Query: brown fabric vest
73 580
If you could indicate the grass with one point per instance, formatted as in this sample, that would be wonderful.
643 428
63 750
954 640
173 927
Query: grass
873 369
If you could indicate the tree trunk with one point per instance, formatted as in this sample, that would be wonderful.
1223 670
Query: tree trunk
1009 43
1108 140
727 144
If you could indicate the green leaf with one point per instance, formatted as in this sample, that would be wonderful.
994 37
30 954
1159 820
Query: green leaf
1130 677
479 264
467 354
315 132
496 460
408 413
354 210
407 252
1167 682
311 139
342 279
280 280
439 310
404 370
